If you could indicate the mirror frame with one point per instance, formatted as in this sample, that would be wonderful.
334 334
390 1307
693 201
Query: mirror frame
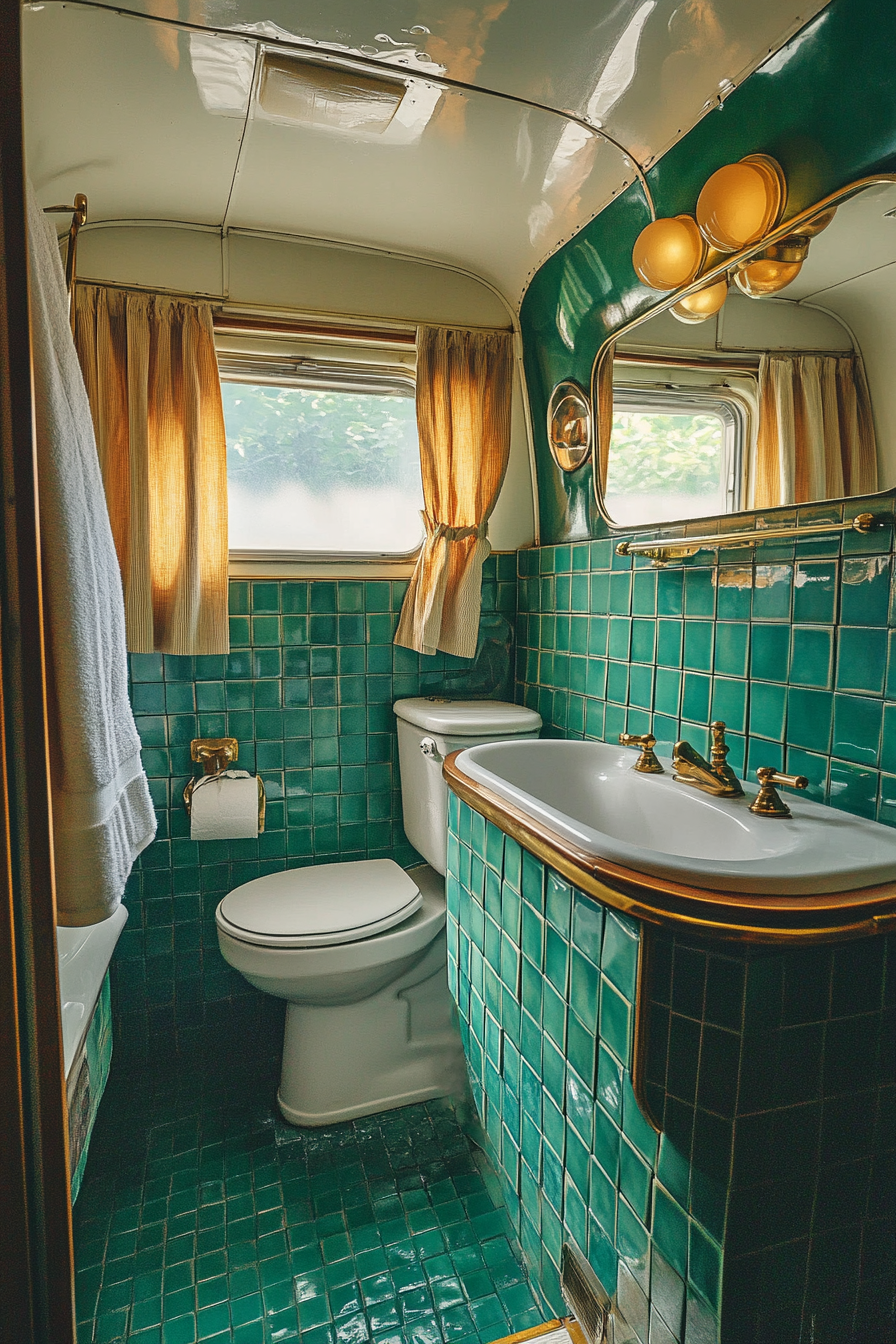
713 522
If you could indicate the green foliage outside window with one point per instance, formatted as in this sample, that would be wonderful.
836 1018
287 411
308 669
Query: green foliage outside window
652 454
323 439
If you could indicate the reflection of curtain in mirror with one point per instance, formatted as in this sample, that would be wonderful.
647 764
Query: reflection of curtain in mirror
152 381
816 435
604 413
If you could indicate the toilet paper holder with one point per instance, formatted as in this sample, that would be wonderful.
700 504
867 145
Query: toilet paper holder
215 755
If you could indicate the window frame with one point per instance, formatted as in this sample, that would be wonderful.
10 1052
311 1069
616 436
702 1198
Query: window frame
300 371
731 407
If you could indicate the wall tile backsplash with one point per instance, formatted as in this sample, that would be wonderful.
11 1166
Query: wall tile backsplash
793 647
307 690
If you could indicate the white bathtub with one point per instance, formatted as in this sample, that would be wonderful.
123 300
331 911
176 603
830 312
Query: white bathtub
84 956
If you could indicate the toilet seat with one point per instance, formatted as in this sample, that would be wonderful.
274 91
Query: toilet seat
320 906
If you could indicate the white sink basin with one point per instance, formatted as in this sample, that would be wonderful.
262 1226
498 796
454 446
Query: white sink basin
588 794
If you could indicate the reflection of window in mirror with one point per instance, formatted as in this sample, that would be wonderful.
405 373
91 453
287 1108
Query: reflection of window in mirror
674 453
781 361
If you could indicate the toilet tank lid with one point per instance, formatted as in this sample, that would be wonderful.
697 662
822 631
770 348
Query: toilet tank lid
320 903
467 718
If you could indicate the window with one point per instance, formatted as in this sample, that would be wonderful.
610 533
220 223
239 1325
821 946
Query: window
322 458
674 454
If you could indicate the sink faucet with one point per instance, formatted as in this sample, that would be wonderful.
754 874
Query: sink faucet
712 776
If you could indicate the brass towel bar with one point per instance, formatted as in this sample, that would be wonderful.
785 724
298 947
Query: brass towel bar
679 548
79 218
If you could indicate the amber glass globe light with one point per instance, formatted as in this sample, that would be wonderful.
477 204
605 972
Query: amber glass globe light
766 275
668 253
741 202
705 303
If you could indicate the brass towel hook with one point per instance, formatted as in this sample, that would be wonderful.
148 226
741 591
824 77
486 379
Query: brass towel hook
79 219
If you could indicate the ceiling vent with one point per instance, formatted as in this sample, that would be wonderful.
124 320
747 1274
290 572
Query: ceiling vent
327 97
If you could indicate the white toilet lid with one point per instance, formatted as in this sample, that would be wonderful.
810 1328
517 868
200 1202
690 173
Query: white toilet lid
320 906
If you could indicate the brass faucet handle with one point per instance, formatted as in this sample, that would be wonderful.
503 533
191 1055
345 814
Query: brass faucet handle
720 747
647 762
768 802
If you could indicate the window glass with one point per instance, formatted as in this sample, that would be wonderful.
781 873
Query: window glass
671 460
327 465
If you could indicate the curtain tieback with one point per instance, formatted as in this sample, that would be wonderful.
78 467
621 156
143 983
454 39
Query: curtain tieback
435 531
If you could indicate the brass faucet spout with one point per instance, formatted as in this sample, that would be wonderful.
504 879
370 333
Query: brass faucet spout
713 776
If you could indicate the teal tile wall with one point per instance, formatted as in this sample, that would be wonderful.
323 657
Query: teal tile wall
763 1212
307 690
793 645
790 1127
544 979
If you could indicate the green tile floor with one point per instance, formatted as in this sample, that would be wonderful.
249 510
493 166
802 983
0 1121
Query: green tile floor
203 1217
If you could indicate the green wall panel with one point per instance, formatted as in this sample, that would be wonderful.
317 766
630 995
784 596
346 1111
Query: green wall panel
824 106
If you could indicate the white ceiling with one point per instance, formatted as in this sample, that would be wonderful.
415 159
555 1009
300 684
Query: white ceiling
118 106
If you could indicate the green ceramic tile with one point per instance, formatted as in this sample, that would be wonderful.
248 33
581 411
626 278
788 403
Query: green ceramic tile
814 767
695 697
772 592
861 659
615 1015
857 729
698 645
641 686
669 592
669 643
643 641
853 789
699 592
619 641
734 592
770 649
865 590
729 703
617 682
809 719
811 660
667 693
644 592
731 646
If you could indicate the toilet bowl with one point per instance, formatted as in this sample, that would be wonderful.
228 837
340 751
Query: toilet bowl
358 949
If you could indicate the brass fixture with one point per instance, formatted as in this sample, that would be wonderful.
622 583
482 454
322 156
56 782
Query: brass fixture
679 548
215 755
569 425
768 802
647 762
713 776
79 219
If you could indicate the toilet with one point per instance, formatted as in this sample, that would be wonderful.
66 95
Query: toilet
358 949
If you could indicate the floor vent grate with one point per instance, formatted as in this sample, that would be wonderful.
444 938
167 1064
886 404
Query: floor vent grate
583 1294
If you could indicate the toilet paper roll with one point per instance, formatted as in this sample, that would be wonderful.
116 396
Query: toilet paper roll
225 807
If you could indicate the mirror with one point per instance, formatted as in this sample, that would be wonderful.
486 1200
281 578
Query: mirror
770 401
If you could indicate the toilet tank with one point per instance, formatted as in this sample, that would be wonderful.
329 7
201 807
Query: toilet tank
429 729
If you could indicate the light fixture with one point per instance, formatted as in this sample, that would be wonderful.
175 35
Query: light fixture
705 303
741 202
774 269
669 253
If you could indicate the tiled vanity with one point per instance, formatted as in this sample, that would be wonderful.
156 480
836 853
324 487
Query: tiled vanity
765 1072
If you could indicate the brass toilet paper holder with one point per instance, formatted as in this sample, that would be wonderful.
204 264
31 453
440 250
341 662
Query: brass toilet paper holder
216 754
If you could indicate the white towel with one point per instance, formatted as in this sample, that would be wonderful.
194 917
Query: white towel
102 811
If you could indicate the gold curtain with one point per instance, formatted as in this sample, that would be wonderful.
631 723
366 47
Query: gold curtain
152 381
604 414
464 383
816 434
